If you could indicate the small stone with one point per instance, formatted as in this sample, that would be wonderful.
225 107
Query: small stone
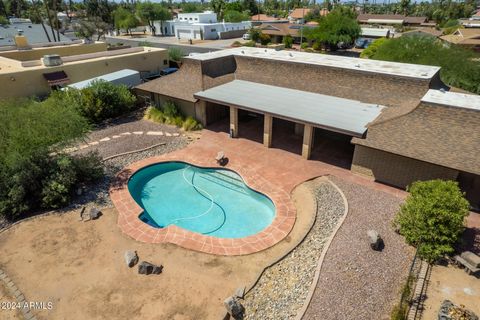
240 292
154 133
168 134
125 133
131 258
105 139
148 268
137 132
116 136
234 307
376 242
93 143
94 213
176 134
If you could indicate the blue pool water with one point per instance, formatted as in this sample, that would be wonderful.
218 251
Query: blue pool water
214 202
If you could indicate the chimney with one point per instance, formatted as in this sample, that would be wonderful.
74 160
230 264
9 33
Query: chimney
21 41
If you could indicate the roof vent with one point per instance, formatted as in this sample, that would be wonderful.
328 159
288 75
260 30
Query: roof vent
357 65
290 54
424 74
51 60
243 52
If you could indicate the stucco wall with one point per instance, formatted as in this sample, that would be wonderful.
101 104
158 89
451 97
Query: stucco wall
351 84
29 82
36 54
396 170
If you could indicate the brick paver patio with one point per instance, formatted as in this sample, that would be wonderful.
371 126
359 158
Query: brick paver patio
274 172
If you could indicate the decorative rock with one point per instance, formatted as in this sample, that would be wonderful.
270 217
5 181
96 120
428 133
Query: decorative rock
234 307
239 292
149 268
450 311
94 213
376 242
131 258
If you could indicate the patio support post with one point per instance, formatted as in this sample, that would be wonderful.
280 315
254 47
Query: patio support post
234 122
307 141
267 130
201 112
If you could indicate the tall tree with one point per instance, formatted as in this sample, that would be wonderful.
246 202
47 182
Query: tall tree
124 19
150 12
36 7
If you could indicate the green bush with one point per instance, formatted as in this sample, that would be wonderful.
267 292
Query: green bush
316 46
458 65
304 45
432 217
288 41
100 101
250 43
169 114
175 54
255 34
370 51
33 171
264 39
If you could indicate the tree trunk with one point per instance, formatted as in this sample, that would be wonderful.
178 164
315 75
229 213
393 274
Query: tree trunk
49 17
35 8
152 27
57 22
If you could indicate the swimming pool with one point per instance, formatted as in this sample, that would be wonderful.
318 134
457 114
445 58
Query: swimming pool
214 202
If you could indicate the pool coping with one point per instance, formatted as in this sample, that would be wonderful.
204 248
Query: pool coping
130 224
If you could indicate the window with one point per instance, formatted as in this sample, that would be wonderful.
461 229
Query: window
196 19
165 62
190 18
213 30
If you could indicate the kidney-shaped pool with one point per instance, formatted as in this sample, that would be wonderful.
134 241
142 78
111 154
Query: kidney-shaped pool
208 201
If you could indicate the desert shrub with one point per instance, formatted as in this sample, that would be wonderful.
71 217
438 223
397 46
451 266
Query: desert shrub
255 34
432 217
100 101
264 39
191 124
175 54
304 45
250 43
33 171
372 48
170 114
316 46
236 44
288 41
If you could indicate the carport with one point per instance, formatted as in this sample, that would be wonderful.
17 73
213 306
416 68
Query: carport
311 110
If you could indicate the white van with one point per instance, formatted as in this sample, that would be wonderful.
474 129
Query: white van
246 36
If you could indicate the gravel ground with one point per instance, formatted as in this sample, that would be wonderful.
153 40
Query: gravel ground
283 288
356 282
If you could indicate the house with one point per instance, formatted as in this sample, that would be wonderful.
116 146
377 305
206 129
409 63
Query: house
391 121
277 31
201 26
263 18
470 23
37 71
469 38
298 15
391 19
128 77
32 31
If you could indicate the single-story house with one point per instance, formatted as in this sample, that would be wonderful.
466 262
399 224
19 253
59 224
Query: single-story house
279 30
469 38
391 19
374 33
394 122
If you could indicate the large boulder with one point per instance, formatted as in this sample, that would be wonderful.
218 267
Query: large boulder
95 213
131 258
376 242
149 268
234 307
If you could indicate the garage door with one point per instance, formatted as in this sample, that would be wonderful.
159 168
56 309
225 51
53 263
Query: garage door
184 34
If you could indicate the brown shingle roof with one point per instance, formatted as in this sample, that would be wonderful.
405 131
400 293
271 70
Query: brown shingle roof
299 13
469 36
263 17
415 20
363 17
447 136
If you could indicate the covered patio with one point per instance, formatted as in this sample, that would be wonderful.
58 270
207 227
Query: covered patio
305 112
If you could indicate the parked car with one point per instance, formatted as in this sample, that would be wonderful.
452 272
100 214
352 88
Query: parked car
168 71
362 43
246 36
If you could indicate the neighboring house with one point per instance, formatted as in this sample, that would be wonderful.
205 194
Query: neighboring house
470 23
298 15
391 19
423 32
374 33
469 38
128 77
402 126
279 30
201 26
28 72
258 19
34 32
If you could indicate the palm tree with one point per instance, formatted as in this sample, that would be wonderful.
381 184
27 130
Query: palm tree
37 13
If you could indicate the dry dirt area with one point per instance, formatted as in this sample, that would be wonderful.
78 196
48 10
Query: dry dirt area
454 284
79 266
6 300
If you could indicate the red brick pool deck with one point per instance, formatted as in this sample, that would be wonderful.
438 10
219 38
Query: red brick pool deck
273 172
